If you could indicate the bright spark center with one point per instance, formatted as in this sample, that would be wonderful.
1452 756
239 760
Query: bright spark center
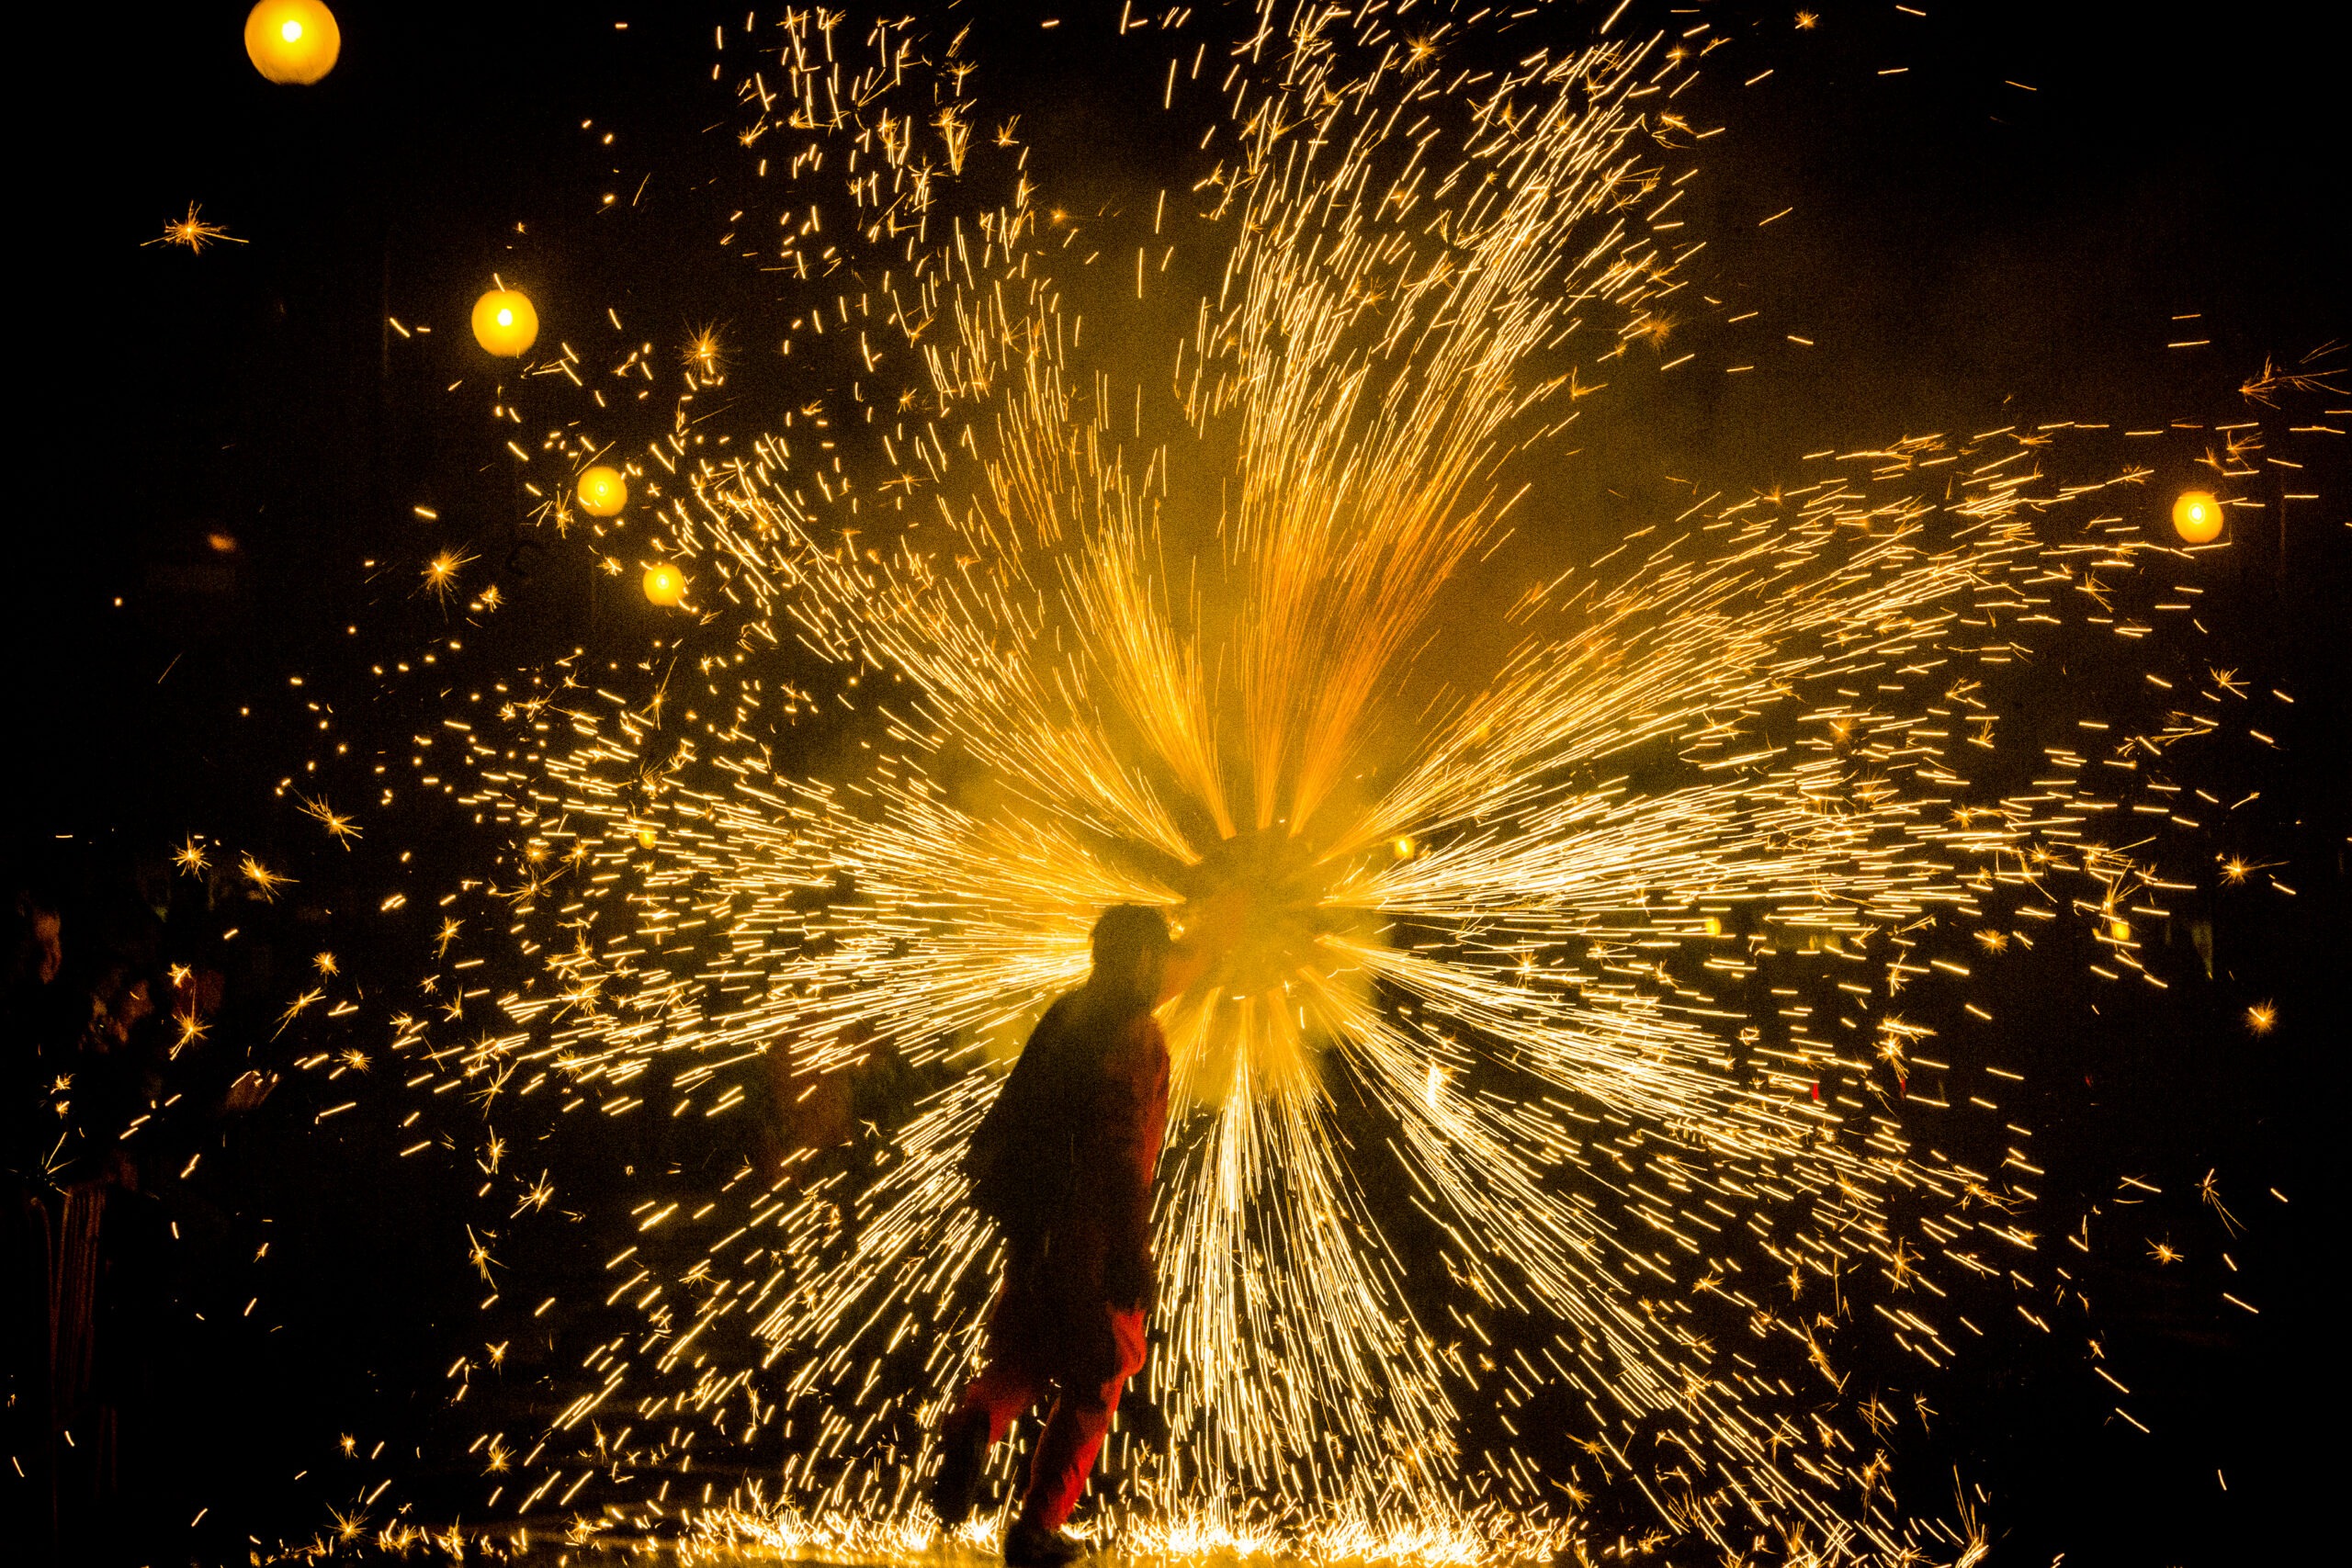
1258 903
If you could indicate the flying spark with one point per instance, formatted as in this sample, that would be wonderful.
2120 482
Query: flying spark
192 231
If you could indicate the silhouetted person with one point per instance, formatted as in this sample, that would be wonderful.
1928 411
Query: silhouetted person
35 1025
1063 1163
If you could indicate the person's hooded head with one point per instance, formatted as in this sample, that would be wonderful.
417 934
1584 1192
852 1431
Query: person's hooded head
1131 946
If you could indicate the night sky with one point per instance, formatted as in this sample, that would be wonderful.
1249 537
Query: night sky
1962 252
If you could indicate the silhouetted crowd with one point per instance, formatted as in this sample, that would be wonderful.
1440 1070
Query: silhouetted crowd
132 1036
149 1156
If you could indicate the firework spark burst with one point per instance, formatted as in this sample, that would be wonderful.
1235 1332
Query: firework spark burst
1548 1066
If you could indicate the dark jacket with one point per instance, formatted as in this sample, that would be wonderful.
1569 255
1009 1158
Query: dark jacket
1064 1159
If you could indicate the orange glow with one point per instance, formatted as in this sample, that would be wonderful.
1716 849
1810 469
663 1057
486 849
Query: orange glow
292 41
603 491
664 584
505 323
2197 516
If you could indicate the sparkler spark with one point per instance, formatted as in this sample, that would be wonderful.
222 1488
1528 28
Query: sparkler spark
260 878
1543 1066
440 573
192 231
340 827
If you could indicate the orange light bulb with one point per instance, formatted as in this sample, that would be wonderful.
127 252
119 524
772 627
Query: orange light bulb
602 490
292 41
2197 516
664 584
505 323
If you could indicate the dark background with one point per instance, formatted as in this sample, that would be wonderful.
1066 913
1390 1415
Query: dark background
1959 247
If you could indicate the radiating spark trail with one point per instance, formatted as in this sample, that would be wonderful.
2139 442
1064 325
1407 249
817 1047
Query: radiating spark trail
1490 1101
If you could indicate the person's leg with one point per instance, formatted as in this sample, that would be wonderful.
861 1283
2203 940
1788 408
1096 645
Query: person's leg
1066 1452
991 1403
1080 1418
1004 1389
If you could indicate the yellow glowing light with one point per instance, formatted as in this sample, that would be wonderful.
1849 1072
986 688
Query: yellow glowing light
603 491
1404 848
646 838
1713 925
2120 930
664 584
505 323
2197 516
2262 1018
292 41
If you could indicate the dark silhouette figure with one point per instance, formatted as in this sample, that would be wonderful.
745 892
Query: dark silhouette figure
1063 1162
